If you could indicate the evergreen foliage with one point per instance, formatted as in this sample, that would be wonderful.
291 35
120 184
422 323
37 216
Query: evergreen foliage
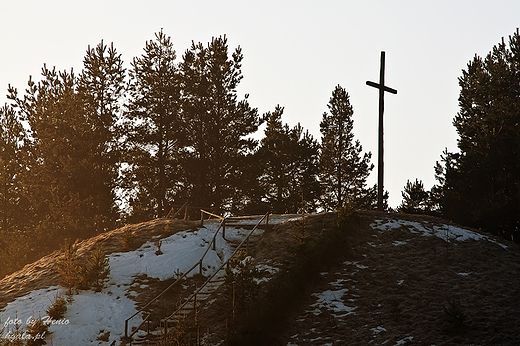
95 271
15 207
218 122
101 86
241 284
58 309
155 131
288 159
38 330
58 160
74 162
343 167
480 185
416 199
68 266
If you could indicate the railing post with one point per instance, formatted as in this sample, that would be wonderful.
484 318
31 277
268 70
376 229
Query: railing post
126 328
267 220
201 218
200 267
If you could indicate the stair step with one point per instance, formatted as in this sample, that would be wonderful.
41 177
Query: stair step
149 339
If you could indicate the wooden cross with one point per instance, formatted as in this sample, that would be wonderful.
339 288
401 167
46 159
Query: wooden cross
382 88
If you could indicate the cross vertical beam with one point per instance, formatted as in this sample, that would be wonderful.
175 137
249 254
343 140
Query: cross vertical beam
382 88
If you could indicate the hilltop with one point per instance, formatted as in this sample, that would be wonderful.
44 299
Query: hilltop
401 280
385 279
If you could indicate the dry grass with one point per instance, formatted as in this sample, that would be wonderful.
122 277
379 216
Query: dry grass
400 284
405 289
43 273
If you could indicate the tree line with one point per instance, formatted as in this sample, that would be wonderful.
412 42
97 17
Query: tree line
479 186
83 153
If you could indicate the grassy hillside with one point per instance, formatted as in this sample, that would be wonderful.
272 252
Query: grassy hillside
386 279
367 277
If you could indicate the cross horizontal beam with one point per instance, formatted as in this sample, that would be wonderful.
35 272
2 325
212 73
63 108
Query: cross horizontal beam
378 86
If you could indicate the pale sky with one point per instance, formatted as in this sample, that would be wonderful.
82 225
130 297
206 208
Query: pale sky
295 53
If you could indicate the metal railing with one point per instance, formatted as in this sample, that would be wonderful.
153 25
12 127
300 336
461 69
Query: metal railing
212 244
197 291
199 264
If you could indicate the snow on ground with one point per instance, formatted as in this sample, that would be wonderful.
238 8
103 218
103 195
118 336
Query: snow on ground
180 252
333 301
445 232
91 314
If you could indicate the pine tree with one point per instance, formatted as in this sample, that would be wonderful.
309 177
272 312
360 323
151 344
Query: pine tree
101 86
344 169
273 160
60 170
289 160
156 135
481 184
415 198
14 202
68 266
95 270
217 122
16 216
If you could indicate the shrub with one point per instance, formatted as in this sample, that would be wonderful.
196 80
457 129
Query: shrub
68 267
12 337
58 309
241 283
299 231
38 329
283 294
95 270
454 314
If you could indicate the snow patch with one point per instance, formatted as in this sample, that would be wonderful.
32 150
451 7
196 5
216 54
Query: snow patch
444 232
377 330
404 341
91 315
332 300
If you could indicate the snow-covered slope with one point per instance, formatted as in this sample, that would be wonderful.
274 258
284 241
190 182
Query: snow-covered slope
98 318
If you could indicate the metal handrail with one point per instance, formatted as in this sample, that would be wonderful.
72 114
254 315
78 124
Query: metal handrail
199 263
165 320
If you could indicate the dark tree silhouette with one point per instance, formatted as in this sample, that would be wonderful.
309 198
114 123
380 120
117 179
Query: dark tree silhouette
155 130
217 122
343 167
480 185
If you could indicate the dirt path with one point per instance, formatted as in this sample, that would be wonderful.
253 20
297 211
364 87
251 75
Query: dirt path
393 287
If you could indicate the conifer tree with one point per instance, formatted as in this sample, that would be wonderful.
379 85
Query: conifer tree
61 165
156 134
217 122
344 168
415 198
481 184
14 202
16 216
289 159
101 86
